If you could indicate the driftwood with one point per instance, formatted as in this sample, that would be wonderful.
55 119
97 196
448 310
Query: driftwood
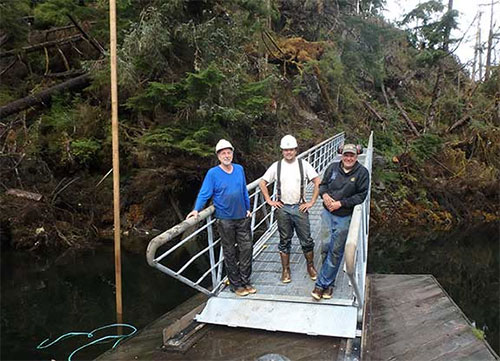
40 46
405 116
43 96
24 194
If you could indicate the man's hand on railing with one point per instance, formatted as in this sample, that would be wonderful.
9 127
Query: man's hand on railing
304 207
193 213
249 214
277 204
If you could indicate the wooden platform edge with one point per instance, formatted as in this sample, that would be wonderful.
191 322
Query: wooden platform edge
465 317
367 315
365 321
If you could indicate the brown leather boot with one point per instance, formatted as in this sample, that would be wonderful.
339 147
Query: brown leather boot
285 268
310 265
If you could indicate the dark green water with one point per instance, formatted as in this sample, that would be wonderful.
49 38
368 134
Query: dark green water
45 296
465 262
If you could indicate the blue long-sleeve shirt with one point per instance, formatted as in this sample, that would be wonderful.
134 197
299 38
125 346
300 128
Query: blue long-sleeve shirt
229 193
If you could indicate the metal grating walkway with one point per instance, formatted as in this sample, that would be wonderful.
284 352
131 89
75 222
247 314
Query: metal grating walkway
287 307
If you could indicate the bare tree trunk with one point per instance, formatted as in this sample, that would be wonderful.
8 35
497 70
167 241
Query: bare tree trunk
490 42
446 40
477 47
43 96
480 50
436 92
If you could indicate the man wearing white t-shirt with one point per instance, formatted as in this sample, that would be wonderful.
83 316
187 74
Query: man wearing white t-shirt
292 175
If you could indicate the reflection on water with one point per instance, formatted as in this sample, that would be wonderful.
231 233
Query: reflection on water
465 262
46 296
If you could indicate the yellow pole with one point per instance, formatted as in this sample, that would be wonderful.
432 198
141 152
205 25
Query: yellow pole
116 159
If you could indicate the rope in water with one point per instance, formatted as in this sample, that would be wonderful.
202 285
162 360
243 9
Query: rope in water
90 334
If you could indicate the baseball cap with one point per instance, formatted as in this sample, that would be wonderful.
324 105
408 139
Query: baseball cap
350 148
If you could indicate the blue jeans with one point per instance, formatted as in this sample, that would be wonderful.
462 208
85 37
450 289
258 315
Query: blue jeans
338 227
290 218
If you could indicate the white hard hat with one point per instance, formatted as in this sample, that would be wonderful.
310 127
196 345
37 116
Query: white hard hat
223 144
288 142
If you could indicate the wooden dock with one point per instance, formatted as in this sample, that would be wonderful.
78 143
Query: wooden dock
407 317
410 317
226 343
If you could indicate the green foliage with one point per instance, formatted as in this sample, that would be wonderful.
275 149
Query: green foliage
6 94
159 138
203 86
254 96
388 143
85 150
432 30
167 139
305 134
365 55
11 20
156 94
426 146
53 12
478 333
60 117
145 53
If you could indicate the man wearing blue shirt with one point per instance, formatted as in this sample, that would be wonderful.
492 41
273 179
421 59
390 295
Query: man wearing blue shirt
226 185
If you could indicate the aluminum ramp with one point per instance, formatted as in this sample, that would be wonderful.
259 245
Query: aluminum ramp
287 307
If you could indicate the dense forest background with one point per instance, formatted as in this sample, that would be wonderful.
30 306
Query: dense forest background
251 71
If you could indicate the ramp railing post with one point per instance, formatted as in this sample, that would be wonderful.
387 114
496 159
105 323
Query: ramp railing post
356 247
211 254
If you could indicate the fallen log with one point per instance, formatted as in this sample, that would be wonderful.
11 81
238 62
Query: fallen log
405 116
24 194
65 74
373 111
39 46
44 96
90 39
458 123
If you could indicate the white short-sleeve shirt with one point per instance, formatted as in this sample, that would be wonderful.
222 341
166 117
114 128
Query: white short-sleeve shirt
290 179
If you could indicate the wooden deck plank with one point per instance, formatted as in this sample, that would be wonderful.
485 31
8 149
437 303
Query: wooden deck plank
410 317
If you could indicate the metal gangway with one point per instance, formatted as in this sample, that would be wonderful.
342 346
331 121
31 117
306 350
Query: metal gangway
275 306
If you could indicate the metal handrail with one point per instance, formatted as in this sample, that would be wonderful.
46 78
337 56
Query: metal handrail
356 248
319 156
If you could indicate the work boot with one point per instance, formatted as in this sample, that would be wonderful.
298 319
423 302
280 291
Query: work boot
250 289
241 291
285 267
310 265
317 293
328 293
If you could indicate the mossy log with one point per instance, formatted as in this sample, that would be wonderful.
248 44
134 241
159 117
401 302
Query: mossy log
44 96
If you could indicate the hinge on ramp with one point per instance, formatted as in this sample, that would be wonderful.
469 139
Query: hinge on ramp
311 318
